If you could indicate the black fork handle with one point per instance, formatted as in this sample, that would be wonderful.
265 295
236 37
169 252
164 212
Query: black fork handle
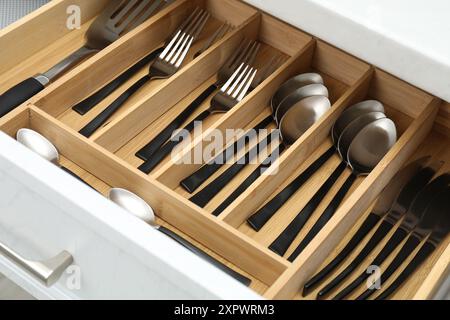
90 102
99 120
239 277
399 235
424 252
325 217
148 150
285 239
260 218
411 244
166 149
365 228
379 234
18 94
195 180
203 197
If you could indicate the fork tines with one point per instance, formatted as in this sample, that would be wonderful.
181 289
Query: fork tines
239 83
178 47
132 13
219 34
245 53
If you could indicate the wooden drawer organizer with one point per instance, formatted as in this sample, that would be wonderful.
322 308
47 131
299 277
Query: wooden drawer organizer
107 158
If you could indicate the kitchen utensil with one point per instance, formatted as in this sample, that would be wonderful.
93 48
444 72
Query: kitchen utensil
307 112
424 227
166 65
139 208
414 216
381 208
397 211
260 218
378 142
245 53
440 231
232 92
353 130
220 32
40 145
291 85
90 102
115 20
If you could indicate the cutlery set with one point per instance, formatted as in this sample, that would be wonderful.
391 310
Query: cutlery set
415 205
117 18
328 119
124 198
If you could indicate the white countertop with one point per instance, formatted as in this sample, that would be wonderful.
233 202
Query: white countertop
408 38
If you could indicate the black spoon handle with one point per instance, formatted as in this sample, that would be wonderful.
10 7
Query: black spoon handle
249 180
239 277
147 151
90 102
73 174
418 259
195 180
260 218
365 228
203 197
379 234
325 217
399 235
98 121
285 239
411 244
166 149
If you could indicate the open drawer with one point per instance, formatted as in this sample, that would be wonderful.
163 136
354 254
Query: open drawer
107 159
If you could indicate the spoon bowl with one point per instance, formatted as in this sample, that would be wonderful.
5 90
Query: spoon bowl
38 144
133 204
296 96
302 116
293 84
371 145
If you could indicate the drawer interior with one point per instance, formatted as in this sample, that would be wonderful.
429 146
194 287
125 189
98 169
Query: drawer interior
107 159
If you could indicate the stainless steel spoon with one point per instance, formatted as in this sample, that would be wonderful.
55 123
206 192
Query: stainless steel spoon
43 147
366 150
260 218
142 210
293 84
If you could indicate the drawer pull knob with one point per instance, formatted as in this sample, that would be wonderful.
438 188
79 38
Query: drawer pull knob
48 271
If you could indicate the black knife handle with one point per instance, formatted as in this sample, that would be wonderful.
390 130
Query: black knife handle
379 234
73 174
399 235
195 180
325 217
239 277
203 197
147 151
99 120
249 180
166 149
90 102
424 252
365 228
285 239
260 218
18 94
411 244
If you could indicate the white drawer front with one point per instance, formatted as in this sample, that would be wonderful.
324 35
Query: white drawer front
44 211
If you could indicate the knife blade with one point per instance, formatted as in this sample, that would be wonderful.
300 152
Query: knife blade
397 211
382 206
414 215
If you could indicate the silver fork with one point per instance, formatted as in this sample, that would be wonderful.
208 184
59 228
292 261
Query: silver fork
230 94
220 32
166 65
245 53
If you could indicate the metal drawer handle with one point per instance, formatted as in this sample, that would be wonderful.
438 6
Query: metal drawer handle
48 272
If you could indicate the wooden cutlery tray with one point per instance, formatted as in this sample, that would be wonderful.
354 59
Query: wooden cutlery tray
108 159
